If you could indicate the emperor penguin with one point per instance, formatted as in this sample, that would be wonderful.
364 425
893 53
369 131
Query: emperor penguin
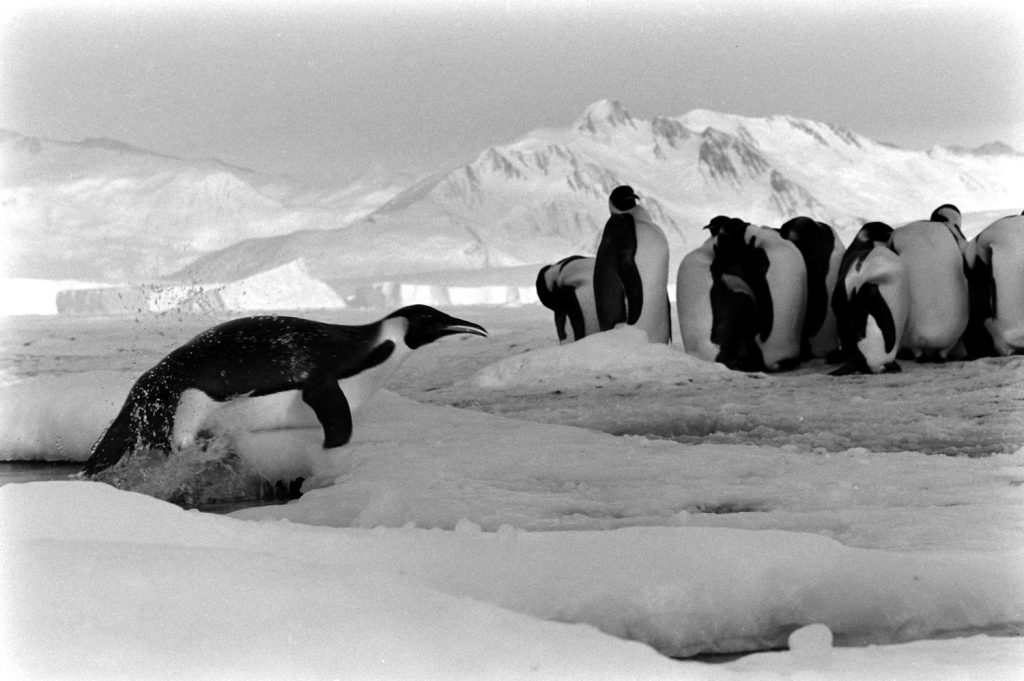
631 270
267 373
567 288
933 256
871 303
995 261
949 215
822 250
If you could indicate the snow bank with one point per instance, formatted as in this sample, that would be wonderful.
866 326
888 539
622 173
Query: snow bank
624 353
58 418
399 293
287 287
138 588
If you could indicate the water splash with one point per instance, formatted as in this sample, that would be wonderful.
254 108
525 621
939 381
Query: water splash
208 473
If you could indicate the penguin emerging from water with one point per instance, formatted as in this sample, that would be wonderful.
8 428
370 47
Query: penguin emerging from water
631 270
822 250
267 373
995 260
871 303
567 288
933 255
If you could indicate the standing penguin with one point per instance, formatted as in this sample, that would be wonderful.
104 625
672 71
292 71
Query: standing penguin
822 250
631 270
995 259
268 373
567 288
934 260
871 303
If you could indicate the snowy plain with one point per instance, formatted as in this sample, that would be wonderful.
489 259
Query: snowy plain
509 508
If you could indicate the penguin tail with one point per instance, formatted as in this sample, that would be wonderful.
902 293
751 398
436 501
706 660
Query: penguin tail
118 439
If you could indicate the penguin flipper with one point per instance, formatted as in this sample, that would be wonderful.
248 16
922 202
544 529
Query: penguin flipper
331 407
870 300
617 248
755 273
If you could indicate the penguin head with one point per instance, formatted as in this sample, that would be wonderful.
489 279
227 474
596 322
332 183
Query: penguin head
622 199
733 226
878 232
425 325
948 213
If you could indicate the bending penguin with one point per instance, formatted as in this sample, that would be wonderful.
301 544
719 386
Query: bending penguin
631 270
949 215
995 260
934 260
567 288
871 303
822 250
773 271
266 374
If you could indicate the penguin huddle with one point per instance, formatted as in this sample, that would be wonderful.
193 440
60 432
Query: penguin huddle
920 291
761 299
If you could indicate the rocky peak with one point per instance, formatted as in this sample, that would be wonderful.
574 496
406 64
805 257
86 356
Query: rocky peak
603 115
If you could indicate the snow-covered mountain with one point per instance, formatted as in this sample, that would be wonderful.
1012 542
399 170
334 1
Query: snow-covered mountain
103 210
109 212
544 196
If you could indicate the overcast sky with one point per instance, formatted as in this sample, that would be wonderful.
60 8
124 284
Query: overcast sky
327 90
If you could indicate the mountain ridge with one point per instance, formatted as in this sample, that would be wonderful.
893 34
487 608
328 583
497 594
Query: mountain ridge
528 201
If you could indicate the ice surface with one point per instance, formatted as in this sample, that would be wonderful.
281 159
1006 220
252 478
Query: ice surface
139 588
430 523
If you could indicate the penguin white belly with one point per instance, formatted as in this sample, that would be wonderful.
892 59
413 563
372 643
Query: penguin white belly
693 302
872 347
787 281
652 261
579 274
938 288
1007 327
827 337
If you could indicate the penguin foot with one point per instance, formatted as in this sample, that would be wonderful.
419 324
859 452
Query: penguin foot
892 368
848 369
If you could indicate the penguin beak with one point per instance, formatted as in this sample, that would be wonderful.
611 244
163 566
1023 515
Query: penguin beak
451 326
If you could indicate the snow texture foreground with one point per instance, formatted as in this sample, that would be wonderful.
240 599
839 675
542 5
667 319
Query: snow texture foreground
430 561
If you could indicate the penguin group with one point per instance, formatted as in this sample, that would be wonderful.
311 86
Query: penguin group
757 298
751 297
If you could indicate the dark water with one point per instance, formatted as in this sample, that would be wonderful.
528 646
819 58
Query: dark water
46 471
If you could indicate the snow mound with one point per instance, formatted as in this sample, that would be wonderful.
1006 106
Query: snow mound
288 287
680 590
622 354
